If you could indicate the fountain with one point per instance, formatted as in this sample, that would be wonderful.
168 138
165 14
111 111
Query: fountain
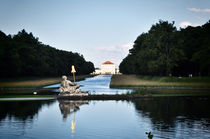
67 88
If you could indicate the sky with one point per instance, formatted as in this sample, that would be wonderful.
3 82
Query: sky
100 30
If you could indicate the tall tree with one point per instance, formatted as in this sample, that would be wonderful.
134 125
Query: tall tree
163 51
24 55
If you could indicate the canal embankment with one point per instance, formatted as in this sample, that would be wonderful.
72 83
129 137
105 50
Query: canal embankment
135 81
99 88
34 82
15 87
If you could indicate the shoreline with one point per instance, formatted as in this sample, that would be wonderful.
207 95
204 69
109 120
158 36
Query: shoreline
126 97
100 97
35 83
27 98
135 81
161 87
136 94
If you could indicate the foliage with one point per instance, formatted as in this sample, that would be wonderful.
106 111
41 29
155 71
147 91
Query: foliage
165 51
24 55
141 92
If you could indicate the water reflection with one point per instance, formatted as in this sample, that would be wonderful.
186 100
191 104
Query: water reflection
18 116
176 115
21 110
67 107
172 117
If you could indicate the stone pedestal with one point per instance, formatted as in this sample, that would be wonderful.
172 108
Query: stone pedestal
75 94
68 88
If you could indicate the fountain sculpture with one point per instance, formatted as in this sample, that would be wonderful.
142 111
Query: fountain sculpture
68 88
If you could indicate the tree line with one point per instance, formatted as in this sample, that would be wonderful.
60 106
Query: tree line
24 55
164 51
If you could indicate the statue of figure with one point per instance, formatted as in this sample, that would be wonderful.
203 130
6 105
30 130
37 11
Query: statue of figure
68 87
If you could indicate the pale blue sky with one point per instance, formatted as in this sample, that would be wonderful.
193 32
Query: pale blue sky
98 29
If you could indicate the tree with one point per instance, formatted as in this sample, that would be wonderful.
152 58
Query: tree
156 52
24 55
163 50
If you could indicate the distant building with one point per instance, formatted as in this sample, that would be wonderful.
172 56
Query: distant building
106 68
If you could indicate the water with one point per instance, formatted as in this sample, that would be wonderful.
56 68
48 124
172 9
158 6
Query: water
164 117
97 85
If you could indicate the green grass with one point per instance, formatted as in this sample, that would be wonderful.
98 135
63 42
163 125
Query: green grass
155 81
34 82
170 92
31 78
174 79
25 87
26 96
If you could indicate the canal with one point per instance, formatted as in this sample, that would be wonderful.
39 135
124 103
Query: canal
164 117
96 85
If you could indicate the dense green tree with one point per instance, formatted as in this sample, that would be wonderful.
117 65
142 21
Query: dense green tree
196 47
24 55
164 51
128 65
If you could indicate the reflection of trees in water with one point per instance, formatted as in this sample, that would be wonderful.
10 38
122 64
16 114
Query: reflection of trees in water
166 112
67 107
21 110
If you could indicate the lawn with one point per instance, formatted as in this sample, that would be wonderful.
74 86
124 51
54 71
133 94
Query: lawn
169 92
34 82
154 81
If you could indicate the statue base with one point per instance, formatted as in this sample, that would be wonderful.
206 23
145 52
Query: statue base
72 96
68 89
76 94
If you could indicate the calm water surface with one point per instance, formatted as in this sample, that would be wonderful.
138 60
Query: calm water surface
97 85
165 117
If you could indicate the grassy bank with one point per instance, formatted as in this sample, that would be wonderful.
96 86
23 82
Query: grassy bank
26 96
140 94
149 81
169 92
34 82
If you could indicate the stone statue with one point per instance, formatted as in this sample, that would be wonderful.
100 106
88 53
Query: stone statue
68 88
